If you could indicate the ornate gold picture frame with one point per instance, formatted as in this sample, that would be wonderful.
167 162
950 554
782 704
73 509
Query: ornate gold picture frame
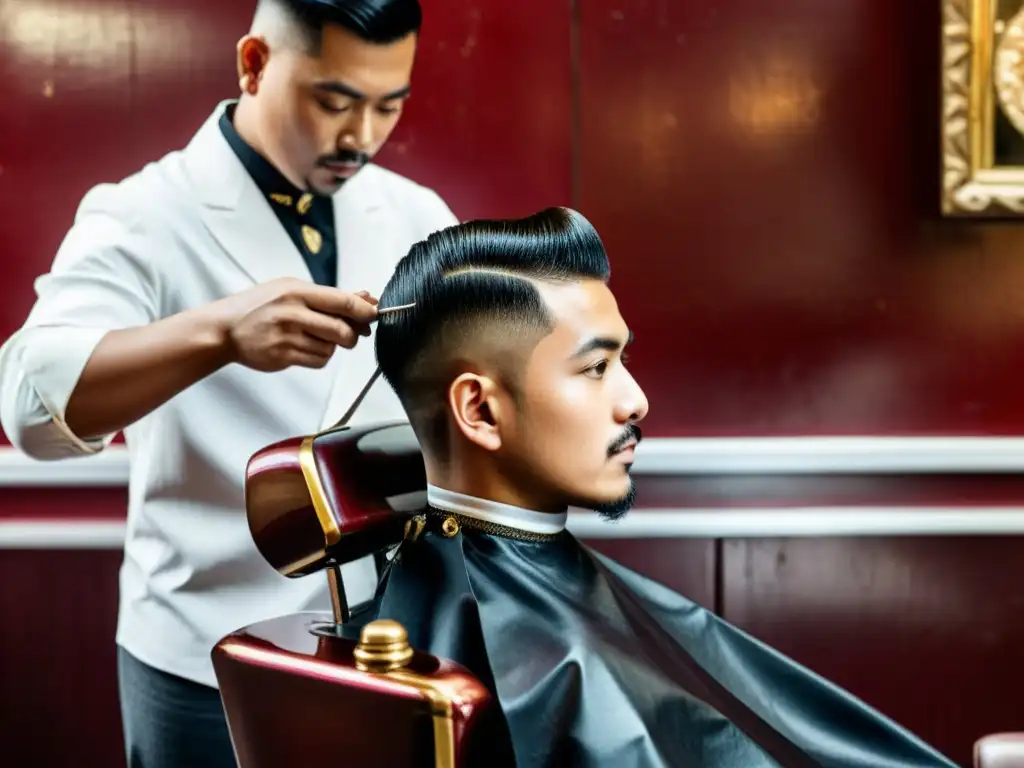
983 108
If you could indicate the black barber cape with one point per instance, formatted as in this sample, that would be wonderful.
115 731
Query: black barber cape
595 665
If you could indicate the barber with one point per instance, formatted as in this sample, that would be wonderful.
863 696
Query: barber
198 306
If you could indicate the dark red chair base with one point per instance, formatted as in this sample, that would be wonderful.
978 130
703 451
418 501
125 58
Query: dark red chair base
297 691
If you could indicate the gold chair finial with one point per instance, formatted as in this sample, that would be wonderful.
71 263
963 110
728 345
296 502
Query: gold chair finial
383 646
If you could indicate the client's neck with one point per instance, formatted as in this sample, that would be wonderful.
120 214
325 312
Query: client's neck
504 516
482 481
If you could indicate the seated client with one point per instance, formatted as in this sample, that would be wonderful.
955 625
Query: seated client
509 358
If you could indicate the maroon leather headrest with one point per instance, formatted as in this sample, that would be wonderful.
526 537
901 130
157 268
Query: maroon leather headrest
335 496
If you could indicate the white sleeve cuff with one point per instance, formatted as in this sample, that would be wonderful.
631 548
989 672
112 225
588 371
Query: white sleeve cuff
53 359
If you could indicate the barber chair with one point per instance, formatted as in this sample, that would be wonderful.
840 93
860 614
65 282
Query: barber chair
303 688
1000 750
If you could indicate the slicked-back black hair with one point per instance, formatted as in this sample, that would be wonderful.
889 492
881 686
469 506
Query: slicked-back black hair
376 21
475 277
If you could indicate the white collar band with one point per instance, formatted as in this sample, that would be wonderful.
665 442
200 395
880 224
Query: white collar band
495 512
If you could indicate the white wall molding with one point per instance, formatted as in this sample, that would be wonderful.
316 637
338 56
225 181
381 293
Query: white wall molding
802 522
640 524
657 456
61 534
106 469
829 455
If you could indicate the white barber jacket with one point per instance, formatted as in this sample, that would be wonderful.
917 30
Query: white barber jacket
184 231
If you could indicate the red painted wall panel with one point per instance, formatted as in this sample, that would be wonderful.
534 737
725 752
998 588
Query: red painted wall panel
765 177
489 123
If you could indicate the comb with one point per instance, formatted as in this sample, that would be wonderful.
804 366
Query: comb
389 310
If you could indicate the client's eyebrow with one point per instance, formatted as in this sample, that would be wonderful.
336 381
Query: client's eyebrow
602 342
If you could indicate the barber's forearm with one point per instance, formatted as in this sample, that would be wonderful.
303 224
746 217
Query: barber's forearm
134 371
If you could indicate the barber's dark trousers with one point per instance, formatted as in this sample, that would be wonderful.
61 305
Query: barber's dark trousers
170 722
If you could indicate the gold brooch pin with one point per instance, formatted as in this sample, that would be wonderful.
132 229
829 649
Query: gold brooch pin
305 203
313 239
282 199
414 527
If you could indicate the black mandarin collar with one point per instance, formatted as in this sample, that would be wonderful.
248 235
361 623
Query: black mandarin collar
271 182
308 219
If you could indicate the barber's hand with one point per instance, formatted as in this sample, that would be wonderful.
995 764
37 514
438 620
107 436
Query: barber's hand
290 322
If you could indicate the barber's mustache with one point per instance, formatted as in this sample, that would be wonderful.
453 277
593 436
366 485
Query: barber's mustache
630 435
347 156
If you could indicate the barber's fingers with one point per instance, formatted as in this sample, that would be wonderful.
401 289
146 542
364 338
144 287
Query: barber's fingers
328 328
332 301
312 345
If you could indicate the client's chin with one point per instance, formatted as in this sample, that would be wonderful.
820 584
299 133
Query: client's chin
618 508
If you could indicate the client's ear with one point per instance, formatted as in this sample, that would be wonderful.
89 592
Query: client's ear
473 401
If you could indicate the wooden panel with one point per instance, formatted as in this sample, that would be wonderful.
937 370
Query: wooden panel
765 176
685 565
927 630
58 661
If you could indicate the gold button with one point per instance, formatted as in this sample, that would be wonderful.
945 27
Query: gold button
450 527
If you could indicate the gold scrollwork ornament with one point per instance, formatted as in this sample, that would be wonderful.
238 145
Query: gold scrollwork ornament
975 74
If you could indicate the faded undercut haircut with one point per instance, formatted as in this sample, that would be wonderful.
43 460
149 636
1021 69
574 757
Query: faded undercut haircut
474 290
299 23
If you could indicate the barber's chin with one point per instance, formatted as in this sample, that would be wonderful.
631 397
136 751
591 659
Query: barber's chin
325 183
325 186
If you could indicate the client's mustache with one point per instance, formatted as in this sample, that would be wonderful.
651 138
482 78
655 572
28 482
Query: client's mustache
346 156
631 434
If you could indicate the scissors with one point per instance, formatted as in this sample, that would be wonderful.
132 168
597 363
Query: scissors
347 416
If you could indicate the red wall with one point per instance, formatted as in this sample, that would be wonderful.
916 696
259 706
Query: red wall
765 178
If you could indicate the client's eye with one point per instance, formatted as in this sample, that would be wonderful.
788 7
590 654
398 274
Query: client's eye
597 371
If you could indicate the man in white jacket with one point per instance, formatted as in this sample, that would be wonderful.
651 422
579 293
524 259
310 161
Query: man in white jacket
197 306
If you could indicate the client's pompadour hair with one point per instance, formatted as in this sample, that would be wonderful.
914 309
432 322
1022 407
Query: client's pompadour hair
472 280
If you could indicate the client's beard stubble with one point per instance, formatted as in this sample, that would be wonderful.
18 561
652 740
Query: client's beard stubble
618 509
